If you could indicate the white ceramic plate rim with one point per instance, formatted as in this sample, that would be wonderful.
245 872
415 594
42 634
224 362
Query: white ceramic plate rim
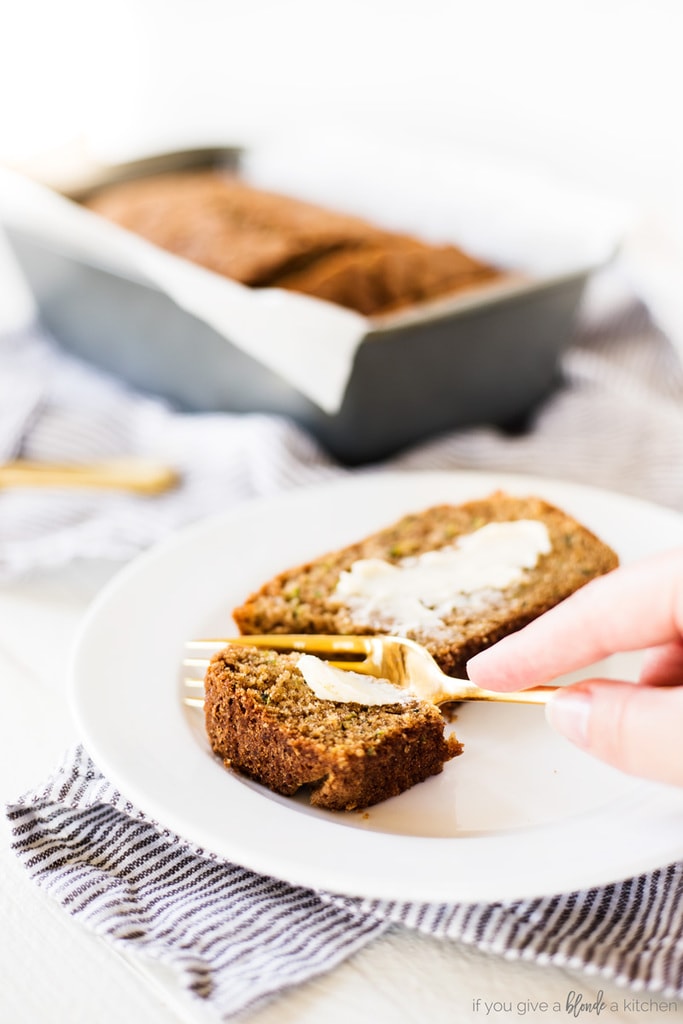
133 725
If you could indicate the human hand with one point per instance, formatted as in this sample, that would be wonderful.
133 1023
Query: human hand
638 728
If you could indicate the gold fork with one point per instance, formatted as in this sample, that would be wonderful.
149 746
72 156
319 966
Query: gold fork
400 661
140 475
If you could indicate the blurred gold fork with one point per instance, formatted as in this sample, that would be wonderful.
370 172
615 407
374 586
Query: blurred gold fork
140 475
402 662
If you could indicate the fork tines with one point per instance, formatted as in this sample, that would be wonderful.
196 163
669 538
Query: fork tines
349 648
352 649
319 642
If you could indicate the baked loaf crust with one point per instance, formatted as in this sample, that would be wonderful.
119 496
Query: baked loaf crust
303 599
267 240
263 720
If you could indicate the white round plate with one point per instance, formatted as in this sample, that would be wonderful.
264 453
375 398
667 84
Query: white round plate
521 813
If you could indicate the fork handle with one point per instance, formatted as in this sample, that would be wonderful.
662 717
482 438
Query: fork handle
142 476
534 695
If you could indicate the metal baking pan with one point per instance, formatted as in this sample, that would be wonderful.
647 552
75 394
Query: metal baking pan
485 357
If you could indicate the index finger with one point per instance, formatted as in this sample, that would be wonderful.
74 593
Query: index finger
633 607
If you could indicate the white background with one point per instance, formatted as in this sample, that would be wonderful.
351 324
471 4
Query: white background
589 88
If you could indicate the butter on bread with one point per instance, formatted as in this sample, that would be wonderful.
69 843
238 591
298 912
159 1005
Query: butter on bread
305 599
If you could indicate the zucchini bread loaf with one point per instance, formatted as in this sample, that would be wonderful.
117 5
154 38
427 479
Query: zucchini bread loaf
453 578
263 720
267 240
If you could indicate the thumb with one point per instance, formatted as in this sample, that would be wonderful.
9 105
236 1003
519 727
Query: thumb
633 727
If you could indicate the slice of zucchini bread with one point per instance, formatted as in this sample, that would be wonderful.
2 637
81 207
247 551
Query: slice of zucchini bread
263 720
491 565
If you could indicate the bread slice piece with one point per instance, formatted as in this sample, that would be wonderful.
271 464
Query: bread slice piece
263 720
267 240
222 223
305 599
386 273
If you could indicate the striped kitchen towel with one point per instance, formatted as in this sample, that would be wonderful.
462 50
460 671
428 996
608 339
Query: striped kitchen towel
53 408
234 938
616 422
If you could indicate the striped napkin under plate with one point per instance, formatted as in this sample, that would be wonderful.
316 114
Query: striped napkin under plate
233 938
617 422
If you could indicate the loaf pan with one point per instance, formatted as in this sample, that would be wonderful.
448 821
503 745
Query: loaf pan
487 356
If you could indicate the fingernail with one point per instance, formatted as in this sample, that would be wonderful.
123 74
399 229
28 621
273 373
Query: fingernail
569 712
